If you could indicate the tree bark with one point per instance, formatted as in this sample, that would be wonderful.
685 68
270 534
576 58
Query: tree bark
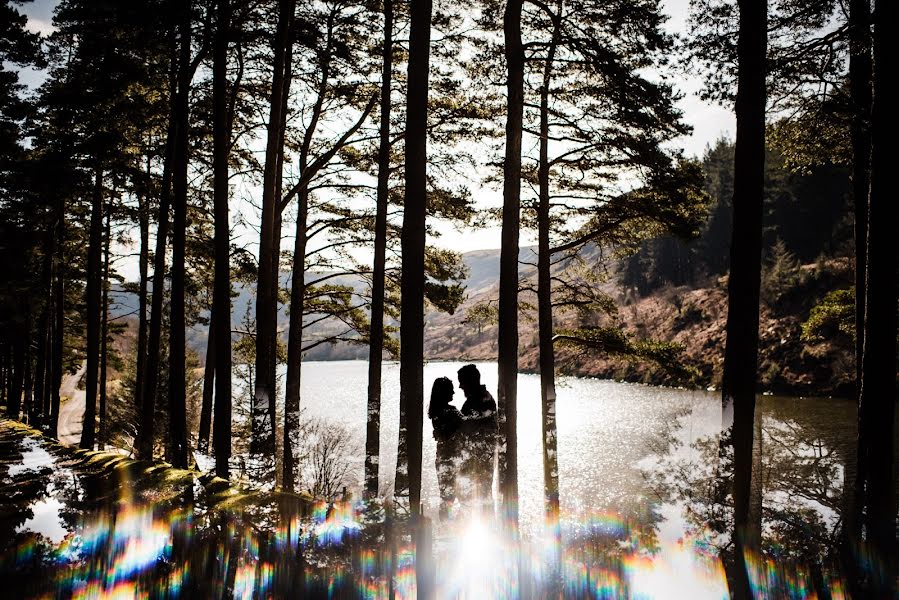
298 275
59 313
178 445
413 246
741 349
877 399
545 314
860 74
94 253
208 376
146 435
221 318
17 377
104 335
507 343
376 337
263 419
143 217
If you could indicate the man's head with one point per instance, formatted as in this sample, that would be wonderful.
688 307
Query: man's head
469 378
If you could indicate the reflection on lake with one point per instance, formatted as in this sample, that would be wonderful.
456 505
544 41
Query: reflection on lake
644 511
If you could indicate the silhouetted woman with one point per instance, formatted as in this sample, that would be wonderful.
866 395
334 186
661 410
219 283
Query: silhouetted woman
446 420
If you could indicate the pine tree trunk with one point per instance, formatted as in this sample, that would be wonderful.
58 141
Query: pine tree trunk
263 425
877 399
28 378
376 345
143 217
298 274
4 373
178 446
507 344
41 402
295 342
146 435
208 380
741 348
413 245
860 73
59 313
104 335
545 311
221 319
17 377
94 275
860 131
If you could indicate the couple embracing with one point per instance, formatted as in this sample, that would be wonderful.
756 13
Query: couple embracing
466 439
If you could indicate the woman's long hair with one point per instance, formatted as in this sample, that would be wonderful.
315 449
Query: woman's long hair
441 395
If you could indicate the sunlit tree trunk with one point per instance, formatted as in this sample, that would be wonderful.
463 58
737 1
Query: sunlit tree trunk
94 277
877 398
220 335
413 246
507 343
178 446
376 344
741 349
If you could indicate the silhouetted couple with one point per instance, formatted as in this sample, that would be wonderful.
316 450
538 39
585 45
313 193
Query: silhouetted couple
466 439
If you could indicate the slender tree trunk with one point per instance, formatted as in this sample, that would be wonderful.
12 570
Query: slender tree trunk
59 312
877 399
298 275
104 335
279 222
741 349
17 377
263 423
4 373
221 321
143 217
41 403
28 378
376 345
413 246
295 342
545 314
178 446
42 365
208 382
94 254
860 74
507 343
146 435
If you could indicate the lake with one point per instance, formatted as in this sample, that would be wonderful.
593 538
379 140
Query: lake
644 506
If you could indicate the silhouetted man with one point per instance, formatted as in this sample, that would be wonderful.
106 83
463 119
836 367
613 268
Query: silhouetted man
478 401
480 427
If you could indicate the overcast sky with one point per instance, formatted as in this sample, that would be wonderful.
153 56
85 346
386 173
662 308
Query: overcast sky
710 122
